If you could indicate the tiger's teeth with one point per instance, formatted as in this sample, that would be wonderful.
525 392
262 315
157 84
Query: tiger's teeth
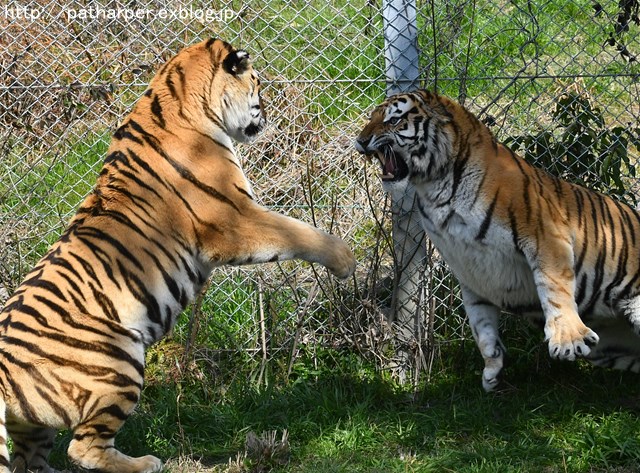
387 176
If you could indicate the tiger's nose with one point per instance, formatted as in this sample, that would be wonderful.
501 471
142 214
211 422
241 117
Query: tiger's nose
362 144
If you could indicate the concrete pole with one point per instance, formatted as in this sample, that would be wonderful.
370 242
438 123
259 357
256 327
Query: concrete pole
402 71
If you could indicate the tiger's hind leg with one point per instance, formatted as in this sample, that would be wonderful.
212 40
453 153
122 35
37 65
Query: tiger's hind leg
92 446
91 451
483 319
31 447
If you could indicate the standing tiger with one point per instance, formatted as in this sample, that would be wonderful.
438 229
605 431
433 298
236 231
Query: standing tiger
515 237
170 204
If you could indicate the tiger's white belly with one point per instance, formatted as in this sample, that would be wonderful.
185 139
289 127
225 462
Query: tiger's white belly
500 277
491 267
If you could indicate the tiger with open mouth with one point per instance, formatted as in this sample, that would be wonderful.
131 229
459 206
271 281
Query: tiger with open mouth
515 237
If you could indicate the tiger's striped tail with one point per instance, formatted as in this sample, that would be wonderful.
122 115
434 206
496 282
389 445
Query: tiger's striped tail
5 462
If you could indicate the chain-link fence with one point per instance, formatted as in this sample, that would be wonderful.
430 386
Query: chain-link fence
557 79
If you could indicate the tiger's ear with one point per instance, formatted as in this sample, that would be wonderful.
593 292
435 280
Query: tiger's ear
236 62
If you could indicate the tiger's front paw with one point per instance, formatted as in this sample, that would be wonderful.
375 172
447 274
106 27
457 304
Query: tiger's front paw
568 341
342 263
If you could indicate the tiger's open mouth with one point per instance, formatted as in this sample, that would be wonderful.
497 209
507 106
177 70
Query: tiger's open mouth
393 167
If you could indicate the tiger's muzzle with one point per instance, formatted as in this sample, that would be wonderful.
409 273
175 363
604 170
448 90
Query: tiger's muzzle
393 166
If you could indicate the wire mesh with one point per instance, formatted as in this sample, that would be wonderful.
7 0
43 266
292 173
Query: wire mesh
71 69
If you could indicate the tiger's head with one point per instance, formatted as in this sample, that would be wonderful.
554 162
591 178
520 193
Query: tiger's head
213 88
411 136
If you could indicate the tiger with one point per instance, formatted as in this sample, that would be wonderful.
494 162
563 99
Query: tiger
170 204
516 238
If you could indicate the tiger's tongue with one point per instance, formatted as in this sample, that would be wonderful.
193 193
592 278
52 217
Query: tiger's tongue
389 168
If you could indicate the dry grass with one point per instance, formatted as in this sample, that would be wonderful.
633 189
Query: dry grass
189 465
262 453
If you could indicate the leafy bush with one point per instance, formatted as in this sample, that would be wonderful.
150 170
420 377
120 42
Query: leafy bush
581 148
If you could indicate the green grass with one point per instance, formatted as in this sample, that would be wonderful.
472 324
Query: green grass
550 417
340 421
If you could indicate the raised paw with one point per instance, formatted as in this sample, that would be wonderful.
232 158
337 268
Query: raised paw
343 263
567 342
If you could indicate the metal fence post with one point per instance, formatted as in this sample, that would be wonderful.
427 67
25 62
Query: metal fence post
402 71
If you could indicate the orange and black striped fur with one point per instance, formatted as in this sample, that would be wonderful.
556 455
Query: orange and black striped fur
515 237
170 204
